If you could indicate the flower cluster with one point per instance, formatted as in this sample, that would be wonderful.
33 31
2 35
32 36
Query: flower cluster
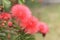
4 18
29 23
22 15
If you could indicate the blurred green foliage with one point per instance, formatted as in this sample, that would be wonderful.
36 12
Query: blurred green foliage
8 3
32 3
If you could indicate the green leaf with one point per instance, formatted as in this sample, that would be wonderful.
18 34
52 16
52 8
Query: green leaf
20 1
7 5
3 36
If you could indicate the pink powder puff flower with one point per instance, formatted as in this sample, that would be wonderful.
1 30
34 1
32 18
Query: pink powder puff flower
20 11
43 28
30 25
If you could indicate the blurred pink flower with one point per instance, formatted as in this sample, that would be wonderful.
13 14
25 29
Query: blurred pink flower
0 17
30 25
6 16
43 28
20 11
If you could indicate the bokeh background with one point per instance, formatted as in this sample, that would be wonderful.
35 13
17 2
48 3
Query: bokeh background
49 12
